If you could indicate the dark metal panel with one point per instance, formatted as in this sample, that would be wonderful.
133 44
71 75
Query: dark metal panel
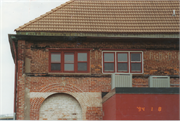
138 90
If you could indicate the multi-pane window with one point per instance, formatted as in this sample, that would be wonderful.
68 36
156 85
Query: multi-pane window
109 62
67 61
122 62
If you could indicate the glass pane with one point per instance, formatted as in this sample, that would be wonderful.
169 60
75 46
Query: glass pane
135 66
55 67
69 67
122 57
69 58
109 57
55 57
135 57
82 66
108 66
122 66
82 56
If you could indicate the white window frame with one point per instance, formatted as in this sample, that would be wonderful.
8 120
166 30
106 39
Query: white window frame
129 61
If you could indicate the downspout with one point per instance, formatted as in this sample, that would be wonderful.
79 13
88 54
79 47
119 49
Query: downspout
15 83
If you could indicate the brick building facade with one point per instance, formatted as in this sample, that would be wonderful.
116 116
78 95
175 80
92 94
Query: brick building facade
59 89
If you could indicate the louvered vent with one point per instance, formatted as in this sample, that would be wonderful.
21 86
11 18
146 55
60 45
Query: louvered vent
159 81
121 80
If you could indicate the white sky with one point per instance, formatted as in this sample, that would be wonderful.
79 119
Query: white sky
14 13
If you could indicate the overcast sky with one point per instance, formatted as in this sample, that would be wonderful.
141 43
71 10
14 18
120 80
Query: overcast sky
14 13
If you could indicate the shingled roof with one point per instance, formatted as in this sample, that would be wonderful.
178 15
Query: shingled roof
109 16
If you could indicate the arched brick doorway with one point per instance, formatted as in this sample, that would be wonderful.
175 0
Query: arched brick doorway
60 107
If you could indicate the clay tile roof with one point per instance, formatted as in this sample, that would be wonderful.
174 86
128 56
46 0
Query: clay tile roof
114 16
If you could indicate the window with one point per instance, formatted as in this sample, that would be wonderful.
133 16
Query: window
69 61
82 62
122 62
136 63
56 61
109 59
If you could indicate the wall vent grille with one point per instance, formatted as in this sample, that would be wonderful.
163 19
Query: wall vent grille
121 80
159 81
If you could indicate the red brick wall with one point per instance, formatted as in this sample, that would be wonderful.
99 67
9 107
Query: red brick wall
51 84
160 56
156 62
20 81
161 62
65 85
94 113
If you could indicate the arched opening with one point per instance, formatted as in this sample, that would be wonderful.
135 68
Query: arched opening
60 107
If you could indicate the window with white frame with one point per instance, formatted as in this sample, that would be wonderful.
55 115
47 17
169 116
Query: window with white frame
122 62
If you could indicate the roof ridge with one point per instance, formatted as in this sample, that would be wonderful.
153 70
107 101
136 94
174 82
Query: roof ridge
43 15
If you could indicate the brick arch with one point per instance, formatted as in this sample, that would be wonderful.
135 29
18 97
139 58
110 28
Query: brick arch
55 88
35 106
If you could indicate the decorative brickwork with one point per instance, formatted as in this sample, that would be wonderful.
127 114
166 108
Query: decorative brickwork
161 62
69 84
85 99
35 106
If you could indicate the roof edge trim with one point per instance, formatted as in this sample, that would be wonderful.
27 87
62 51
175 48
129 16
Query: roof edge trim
79 34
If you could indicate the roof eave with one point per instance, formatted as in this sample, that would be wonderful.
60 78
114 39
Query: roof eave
101 34
11 39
